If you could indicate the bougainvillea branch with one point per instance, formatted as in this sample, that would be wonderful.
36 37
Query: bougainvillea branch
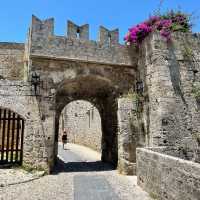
165 24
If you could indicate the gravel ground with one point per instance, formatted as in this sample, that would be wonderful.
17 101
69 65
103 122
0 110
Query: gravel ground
60 184
17 175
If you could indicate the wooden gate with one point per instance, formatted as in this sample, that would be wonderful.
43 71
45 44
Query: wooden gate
11 137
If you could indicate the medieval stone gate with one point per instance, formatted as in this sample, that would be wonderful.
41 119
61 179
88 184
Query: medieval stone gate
52 71
39 78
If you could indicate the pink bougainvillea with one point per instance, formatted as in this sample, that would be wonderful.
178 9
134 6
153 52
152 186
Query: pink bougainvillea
165 24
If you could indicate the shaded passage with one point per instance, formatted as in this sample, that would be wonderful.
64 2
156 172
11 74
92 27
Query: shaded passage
93 188
70 161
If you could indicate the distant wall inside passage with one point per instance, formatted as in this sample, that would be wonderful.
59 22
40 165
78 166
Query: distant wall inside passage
82 122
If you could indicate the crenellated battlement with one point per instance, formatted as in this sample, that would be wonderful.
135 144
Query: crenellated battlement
76 45
74 31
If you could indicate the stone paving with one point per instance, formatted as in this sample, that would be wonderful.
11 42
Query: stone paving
81 177
93 187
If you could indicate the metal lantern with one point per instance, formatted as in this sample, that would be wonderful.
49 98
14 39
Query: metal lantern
35 82
139 87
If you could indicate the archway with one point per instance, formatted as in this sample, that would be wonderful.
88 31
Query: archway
82 122
101 93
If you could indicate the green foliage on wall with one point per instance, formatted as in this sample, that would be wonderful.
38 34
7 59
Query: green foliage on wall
196 90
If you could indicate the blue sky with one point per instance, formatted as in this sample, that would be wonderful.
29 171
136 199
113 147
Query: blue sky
15 15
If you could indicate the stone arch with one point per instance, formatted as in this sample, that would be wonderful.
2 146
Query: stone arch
15 106
102 94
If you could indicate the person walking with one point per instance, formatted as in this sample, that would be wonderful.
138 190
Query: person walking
64 138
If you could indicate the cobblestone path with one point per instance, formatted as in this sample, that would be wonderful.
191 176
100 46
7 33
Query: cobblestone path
79 175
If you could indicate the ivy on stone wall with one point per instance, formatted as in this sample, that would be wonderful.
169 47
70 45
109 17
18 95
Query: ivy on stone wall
131 95
196 90
196 136
188 52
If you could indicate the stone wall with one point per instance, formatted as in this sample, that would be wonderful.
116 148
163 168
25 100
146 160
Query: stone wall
166 177
38 140
127 136
11 61
82 122
170 111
